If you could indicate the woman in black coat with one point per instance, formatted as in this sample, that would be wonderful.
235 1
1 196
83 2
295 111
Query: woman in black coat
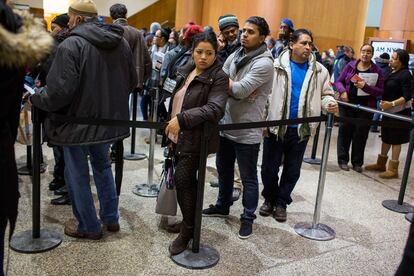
200 96
397 96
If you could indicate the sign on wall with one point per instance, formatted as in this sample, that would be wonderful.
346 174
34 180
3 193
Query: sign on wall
382 45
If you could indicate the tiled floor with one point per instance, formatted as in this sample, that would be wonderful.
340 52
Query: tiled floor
369 241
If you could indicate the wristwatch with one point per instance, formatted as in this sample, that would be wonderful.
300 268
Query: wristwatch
393 104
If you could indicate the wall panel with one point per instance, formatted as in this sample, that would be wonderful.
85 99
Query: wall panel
332 22
162 11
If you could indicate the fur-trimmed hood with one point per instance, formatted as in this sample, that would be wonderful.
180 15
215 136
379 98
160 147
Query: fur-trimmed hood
30 44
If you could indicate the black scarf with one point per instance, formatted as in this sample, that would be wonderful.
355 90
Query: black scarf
241 58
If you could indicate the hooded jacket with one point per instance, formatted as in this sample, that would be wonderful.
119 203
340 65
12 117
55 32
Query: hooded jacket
91 76
23 41
255 76
315 96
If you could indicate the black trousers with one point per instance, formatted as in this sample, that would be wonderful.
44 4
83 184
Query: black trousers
3 224
406 267
185 179
354 134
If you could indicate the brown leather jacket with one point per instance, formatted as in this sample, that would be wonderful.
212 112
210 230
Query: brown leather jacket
204 101
139 49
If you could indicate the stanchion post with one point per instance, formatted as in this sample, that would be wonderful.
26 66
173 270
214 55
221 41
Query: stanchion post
200 256
36 240
313 160
150 189
399 205
316 230
132 155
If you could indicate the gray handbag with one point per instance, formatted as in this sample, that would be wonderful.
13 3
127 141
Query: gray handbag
167 196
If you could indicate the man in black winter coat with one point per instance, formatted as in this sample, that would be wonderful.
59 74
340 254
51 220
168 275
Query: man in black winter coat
91 77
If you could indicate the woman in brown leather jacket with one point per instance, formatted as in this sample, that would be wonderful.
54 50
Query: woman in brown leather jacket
200 96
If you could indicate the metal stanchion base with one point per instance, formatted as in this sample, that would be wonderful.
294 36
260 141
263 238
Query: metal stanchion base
207 257
24 170
312 161
319 232
134 156
25 243
394 206
146 190
409 217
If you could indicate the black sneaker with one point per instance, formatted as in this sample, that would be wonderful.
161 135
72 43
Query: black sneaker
214 211
266 209
246 230
280 214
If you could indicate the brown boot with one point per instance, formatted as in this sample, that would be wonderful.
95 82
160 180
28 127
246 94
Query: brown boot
379 166
392 171
180 244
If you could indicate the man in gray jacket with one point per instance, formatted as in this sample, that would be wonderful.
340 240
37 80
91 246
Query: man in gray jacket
91 76
250 70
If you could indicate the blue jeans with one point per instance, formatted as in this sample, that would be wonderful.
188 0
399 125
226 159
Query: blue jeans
274 191
77 181
246 155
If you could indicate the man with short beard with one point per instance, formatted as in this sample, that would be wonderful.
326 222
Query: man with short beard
250 69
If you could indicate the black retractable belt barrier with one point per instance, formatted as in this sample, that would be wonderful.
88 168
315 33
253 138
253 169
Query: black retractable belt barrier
399 205
201 255
313 160
132 155
316 230
36 240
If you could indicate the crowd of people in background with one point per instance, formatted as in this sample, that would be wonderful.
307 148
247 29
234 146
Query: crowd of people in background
236 74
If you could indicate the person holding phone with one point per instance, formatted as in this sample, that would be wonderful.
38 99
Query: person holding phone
360 82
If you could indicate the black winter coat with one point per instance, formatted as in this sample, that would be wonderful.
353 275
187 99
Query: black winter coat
91 76
204 101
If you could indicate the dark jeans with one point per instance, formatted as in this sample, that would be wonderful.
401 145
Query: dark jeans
59 169
246 155
406 267
292 149
3 224
145 106
351 133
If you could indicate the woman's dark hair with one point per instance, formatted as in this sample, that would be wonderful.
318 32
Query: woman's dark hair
205 37
403 57
118 11
165 33
366 44
175 35
294 37
261 23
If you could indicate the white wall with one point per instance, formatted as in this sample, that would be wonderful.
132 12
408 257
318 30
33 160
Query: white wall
133 6
31 3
